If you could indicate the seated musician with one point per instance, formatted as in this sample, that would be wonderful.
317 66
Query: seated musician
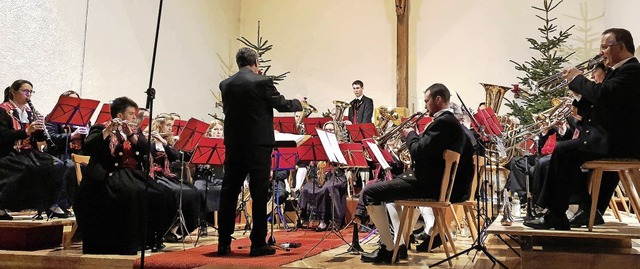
445 133
208 178
325 192
115 192
163 153
68 140
29 178
606 126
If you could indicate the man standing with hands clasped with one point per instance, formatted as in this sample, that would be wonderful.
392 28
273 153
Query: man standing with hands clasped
248 100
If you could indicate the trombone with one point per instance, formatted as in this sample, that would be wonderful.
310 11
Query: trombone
556 81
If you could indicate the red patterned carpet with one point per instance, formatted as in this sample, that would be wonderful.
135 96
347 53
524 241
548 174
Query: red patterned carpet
205 255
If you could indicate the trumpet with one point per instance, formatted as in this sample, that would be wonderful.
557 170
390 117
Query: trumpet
556 81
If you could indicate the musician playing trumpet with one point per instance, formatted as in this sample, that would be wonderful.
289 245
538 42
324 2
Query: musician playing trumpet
29 178
608 129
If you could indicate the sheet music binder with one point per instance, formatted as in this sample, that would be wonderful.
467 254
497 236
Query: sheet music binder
73 111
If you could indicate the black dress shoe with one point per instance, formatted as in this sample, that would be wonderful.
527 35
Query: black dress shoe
262 251
53 214
581 218
402 252
224 250
437 242
6 216
549 221
381 255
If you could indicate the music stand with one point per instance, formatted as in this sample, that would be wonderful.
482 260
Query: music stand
354 154
209 151
73 111
285 125
310 124
178 126
190 137
105 114
282 159
144 123
488 119
358 132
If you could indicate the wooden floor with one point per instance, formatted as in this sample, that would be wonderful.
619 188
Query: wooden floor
73 257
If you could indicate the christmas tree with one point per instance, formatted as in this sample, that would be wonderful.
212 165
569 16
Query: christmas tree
549 62
261 48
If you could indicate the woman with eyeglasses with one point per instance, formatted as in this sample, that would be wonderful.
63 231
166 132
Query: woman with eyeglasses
29 178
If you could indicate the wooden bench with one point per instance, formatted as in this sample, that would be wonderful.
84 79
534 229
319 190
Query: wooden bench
606 246
23 233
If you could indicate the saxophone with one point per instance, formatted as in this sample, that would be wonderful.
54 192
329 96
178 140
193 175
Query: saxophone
321 172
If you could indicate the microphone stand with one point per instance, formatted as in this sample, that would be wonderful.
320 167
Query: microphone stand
151 95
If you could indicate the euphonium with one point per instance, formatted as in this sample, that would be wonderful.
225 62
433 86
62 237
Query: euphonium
494 95
557 81
385 115
307 109
394 134
340 129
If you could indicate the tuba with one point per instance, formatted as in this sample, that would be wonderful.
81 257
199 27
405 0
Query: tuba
338 123
307 109
494 95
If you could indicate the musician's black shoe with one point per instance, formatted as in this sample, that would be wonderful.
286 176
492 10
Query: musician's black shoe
224 250
437 242
262 251
549 221
581 218
6 216
37 216
380 255
68 213
402 252
53 214
171 238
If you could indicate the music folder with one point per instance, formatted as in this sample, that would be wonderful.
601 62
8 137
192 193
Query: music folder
73 111
331 147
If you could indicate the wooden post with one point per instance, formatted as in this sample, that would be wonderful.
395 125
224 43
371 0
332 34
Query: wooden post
402 64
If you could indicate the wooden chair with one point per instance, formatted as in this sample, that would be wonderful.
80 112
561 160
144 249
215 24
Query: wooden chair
78 161
439 208
469 206
629 177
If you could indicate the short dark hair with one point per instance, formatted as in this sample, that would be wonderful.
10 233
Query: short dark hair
120 104
622 36
69 93
359 83
246 57
438 89
15 86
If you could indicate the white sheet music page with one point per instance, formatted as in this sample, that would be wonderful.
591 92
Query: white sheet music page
378 154
283 137
331 147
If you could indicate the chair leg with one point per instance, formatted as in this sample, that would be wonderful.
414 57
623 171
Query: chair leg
449 234
442 230
596 178
471 222
614 208
455 216
627 180
624 200
403 221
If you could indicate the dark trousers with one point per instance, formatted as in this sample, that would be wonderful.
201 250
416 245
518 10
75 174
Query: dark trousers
566 181
399 188
254 161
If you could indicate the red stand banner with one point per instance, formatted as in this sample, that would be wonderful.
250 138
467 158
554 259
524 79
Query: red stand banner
354 154
178 125
105 114
358 132
312 150
191 135
209 151
284 159
73 111
285 125
310 124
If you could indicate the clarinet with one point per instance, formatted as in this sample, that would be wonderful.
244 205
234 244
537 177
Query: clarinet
37 116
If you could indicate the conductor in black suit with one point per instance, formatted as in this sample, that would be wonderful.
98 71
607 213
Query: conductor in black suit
361 110
609 130
248 100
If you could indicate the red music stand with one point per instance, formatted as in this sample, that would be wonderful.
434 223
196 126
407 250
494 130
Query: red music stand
422 124
178 126
285 125
209 151
310 124
354 154
105 114
312 150
144 123
359 132
488 119
73 111
284 159
191 135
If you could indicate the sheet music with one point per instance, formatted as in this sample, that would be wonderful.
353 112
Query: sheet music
331 147
290 137
376 152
